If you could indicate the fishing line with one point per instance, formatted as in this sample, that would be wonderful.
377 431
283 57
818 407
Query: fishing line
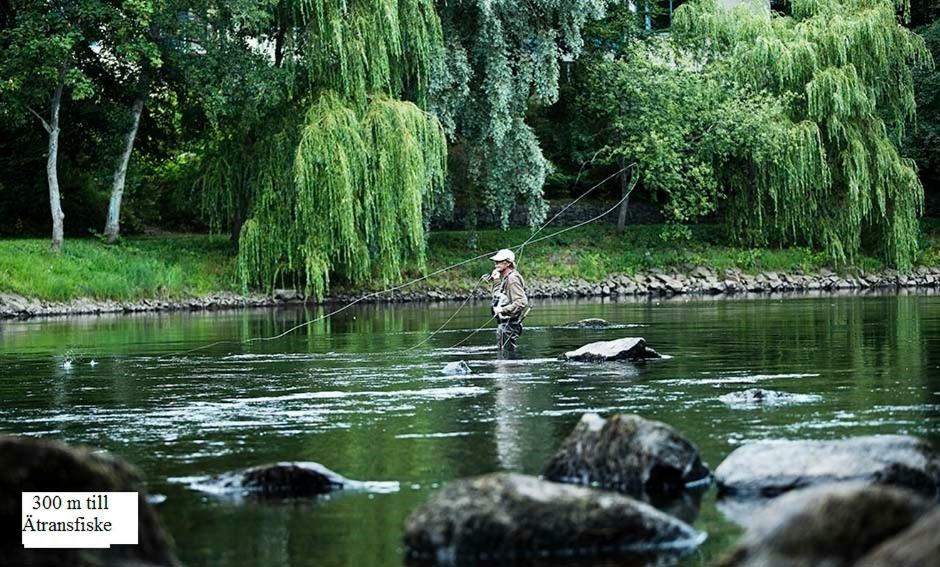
583 195
439 329
432 274
530 241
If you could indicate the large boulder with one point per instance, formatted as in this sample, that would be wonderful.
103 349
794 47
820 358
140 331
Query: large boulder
629 348
28 464
284 480
510 516
629 454
769 468
831 525
917 546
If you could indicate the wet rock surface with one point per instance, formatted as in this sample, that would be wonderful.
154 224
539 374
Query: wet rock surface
590 324
758 397
769 468
629 454
629 348
652 283
917 546
284 480
28 464
501 517
456 368
831 525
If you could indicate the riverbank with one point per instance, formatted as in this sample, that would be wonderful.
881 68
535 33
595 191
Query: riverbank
196 272
655 283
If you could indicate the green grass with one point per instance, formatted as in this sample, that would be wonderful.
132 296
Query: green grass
174 267
165 267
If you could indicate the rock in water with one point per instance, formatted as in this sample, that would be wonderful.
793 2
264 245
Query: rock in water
830 525
629 454
630 348
591 324
28 464
757 397
292 479
284 480
454 368
917 546
769 468
511 516
280 480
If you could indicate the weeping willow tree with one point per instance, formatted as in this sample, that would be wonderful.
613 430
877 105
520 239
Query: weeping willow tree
346 196
834 176
338 177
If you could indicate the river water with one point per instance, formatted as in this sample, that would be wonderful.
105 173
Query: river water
347 393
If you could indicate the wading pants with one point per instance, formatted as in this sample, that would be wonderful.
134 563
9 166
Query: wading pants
507 334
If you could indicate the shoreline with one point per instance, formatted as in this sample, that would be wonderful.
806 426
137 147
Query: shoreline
654 283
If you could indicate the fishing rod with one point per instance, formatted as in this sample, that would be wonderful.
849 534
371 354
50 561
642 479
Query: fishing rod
437 272
626 195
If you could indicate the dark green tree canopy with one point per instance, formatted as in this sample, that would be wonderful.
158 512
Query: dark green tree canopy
503 57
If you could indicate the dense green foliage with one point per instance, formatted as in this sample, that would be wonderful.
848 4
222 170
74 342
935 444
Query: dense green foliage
685 125
924 140
501 58
845 70
340 192
352 204
317 132
785 126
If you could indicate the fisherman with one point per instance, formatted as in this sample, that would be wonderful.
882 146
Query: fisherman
510 304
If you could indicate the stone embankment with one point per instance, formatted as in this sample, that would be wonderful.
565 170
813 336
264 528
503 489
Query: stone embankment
652 283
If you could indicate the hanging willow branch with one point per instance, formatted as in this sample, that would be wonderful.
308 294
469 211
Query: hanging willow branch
366 46
338 188
835 174
353 204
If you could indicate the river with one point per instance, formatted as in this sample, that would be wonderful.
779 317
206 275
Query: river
348 393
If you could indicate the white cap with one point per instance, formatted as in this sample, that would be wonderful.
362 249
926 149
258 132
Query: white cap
504 254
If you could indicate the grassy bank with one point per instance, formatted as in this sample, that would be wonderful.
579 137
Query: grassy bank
137 268
178 266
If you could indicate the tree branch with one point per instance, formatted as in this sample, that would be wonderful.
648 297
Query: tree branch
41 119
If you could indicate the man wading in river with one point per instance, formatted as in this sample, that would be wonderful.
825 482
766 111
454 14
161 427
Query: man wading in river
510 304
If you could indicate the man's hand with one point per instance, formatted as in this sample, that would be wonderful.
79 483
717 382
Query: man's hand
497 310
492 276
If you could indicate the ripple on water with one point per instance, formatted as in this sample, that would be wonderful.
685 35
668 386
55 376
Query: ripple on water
734 378
434 435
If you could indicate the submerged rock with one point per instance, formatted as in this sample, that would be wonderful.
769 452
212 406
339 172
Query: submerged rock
629 454
456 368
769 468
511 516
629 348
830 525
917 546
757 397
285 480
28 464
591 324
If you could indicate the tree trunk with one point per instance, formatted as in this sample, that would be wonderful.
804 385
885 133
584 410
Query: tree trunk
112 227
622 214
55 200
